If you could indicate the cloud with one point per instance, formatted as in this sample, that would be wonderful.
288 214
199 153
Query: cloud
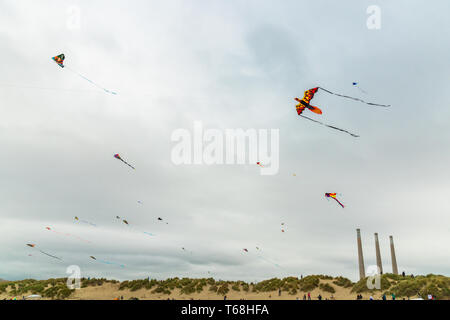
230 65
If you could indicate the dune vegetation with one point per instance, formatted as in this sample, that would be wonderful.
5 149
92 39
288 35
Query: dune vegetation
209 288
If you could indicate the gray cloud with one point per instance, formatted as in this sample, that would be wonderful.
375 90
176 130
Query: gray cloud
228 64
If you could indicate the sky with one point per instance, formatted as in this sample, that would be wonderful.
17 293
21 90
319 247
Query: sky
227 64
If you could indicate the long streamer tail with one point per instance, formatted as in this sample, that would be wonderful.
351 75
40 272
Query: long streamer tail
92 82
127 164
49 255
113 263
339 202
329 126
356 99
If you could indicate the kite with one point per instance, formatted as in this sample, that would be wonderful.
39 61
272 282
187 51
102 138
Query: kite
60 59
67 234
107 262
31 245
118 157
355 84
309 95
333 195
304 103
84 221
160 219
259 164
245 250
131 227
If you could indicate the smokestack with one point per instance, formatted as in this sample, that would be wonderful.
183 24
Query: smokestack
377 251
394 260
362 273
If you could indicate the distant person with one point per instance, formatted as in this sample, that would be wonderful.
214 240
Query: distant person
319 297
384 297
279 292
309 295
403 274
371 298
304 297
393 296
301 276
224 297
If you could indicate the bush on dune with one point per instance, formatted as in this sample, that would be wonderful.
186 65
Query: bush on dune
343 282
327 287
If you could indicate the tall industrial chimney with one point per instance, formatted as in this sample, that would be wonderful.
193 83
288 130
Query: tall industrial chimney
362 273
394 260
377 250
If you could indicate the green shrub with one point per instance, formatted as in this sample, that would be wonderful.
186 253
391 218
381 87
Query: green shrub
235 287
343 282
309 283
327 287
213 288
223 290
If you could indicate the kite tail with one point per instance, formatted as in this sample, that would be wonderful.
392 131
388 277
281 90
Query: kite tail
49 255
356 99
127 164
329 126
107 262
92 82
339 202
271 262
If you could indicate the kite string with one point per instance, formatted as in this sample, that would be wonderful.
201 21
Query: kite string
357 99
95 84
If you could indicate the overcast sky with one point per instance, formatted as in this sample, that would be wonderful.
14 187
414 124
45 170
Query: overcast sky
229 64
